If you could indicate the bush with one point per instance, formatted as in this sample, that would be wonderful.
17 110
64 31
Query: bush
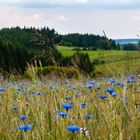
64 72
84 49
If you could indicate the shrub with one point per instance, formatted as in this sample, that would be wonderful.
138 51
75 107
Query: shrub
63 72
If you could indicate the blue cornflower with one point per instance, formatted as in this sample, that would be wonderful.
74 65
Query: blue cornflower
25 127
92 82
67 106
83 105
112 80
121 84
118 83
73 128
26 93
2 88
51 87
130 81
15 107
110 90
114 94
77 95
89 86
23 118
66 82
39 94
57 90
132 77
88 116
33 92
62 114
103 97
19 89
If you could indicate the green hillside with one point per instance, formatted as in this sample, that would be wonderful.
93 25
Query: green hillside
113 59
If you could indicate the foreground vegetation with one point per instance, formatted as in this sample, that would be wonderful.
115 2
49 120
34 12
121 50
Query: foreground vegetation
105 108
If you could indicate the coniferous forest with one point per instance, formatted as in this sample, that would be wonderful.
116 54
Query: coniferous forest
19 46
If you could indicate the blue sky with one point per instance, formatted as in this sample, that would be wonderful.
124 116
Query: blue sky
119 18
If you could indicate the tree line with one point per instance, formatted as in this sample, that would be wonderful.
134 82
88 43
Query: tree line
21 46
94 42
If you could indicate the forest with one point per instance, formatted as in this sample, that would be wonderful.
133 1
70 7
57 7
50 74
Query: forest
19 46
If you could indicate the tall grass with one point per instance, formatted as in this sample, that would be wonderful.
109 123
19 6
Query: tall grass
113 118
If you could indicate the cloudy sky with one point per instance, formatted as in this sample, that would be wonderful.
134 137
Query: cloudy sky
118 18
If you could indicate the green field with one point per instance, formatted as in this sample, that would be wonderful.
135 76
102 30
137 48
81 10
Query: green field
122 61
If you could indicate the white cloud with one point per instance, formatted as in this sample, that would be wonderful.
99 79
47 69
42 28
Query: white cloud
61 2
117 23
62 18
33 17
66 3
119 1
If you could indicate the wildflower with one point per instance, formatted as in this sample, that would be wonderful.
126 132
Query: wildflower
26 93
121 84
2 88
19 89
88 116
33 92
84 131
23 118
15 107
39 94
132 77
66 82
89 86
73 128
110 90
114 94
62 114
67 106
103 97
25 127
57 90
112 80
83 105
77 95
92 82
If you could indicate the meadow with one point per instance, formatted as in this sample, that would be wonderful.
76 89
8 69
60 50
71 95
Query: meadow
115 61
106 108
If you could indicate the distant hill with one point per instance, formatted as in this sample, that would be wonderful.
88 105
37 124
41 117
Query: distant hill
126 41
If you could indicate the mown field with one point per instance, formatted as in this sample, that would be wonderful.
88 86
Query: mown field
116 61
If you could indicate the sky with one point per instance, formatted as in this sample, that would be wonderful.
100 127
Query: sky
118 18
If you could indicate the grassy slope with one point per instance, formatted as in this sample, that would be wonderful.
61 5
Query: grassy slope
115 60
